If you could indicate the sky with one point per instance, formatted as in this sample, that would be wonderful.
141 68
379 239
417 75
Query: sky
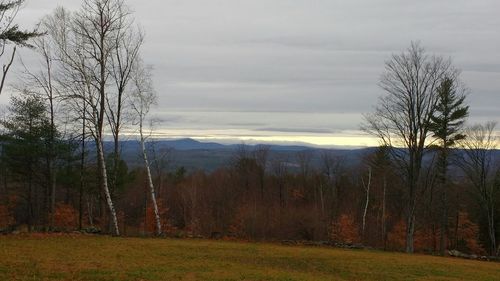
297 70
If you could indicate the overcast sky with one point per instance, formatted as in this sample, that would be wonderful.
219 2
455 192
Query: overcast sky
293 70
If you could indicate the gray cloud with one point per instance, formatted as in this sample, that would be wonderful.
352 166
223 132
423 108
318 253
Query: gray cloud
287 65
296 130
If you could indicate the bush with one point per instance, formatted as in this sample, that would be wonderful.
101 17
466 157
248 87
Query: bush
65 217
345 230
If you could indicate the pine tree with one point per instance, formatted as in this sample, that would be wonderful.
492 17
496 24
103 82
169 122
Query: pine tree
11 33
25 148
446 126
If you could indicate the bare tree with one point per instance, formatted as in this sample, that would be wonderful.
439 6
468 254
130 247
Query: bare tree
304 159
333 167
86 45
65 76
261 155
143 98
41 82
279 167
401 119
127 43
162 160
478 165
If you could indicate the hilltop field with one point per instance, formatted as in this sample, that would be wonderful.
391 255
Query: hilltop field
66 257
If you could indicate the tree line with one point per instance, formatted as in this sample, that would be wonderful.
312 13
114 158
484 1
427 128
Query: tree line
430 186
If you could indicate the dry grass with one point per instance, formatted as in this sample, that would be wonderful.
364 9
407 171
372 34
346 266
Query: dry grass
105 258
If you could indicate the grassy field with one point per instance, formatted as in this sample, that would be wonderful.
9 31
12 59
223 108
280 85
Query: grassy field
106 258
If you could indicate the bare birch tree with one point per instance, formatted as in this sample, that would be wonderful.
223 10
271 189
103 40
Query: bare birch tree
401 119
97 23
143 98
87 44
127 43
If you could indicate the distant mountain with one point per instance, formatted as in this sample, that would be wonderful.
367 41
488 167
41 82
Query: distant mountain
196 155
191 144
208 156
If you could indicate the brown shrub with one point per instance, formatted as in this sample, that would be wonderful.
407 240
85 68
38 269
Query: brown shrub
468 235
345 230
65 217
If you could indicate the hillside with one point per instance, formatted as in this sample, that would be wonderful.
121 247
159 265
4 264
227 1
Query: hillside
208 156
104 258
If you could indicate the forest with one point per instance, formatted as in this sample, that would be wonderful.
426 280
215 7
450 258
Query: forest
431 186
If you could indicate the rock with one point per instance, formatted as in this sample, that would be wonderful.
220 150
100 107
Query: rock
216 235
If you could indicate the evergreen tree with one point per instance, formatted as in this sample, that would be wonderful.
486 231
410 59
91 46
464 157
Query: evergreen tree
446 126
25 149
11 33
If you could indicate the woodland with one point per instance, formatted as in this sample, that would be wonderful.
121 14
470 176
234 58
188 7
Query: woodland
431 186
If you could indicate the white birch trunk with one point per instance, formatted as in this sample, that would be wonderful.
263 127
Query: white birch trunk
111 207
383 212
367 200
150 180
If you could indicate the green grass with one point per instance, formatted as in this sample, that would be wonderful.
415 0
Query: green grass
105 258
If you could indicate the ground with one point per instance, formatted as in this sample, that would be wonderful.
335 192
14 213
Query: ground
42 257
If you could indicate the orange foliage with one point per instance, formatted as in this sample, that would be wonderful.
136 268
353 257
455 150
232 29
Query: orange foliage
345 230
468 235
65 217
426 240
151 220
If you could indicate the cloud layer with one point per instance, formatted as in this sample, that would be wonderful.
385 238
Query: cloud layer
286 67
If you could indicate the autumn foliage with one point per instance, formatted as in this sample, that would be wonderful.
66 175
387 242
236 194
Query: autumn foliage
345 230
240 202
467 236
151 221
65 217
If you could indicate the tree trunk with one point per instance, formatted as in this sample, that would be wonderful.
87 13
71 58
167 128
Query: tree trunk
104 178
384 230
90 212
52 152
444 194
444 223
82 178
414 172
150 184
410 230
367 200
491 229
321 197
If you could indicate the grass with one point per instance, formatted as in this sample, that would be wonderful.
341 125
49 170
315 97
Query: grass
106 258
